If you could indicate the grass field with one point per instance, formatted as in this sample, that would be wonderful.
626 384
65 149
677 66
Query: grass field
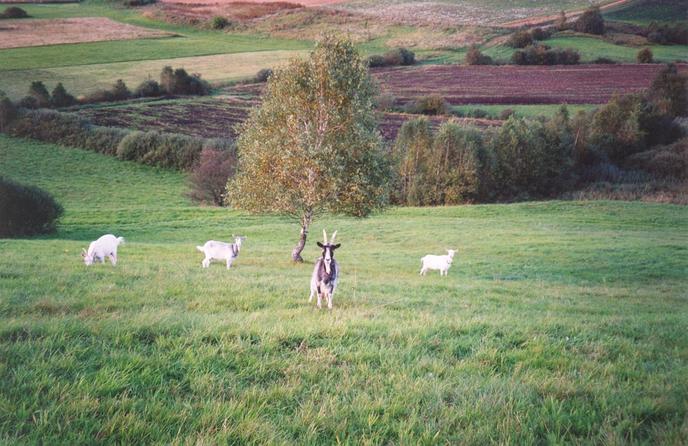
591 48
526 111
560 322
645 11
87 78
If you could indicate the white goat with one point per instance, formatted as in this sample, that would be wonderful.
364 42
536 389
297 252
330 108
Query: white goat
105 246
215 250
442 263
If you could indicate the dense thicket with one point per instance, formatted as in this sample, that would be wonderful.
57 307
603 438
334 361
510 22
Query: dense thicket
26 210
545 55
590 22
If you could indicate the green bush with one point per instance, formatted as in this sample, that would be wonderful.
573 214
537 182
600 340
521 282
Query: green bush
60 97
8 113
14 12
376 60
26 210
38 91
161 149
544 55
645 56
428 105
455 165
120 91
180 82
520 39
149 88
263 75
475 57
219 22
591 22
410 158
664 161
669 92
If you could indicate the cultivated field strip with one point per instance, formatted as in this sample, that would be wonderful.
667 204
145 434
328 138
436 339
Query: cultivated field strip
22 33
576 84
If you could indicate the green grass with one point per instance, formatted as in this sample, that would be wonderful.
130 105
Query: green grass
559 322
643 12
591 48
526 111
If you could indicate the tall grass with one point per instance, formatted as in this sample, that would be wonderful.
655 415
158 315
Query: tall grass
559 322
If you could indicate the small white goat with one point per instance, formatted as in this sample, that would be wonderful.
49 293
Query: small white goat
105 246
215 250
442 263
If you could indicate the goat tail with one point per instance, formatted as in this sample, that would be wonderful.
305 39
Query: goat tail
120 240
200 248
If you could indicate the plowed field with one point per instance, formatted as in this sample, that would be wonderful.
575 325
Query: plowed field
509 84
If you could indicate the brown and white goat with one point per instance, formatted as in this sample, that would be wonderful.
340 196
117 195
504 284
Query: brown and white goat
325 272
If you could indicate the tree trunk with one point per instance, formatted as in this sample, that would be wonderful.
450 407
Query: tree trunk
305 223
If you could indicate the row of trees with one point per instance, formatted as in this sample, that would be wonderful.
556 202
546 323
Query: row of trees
313 146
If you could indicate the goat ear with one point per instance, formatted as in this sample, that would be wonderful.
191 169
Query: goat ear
337 246
320 244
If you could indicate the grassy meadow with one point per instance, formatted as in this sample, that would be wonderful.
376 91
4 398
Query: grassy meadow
559 322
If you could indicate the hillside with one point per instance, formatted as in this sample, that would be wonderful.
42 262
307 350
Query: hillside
557 323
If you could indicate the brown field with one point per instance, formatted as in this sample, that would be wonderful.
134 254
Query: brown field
230 2
575 84
198 12
23 33
219 117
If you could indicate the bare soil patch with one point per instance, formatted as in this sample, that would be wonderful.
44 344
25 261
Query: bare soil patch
199 12
575 84
36 32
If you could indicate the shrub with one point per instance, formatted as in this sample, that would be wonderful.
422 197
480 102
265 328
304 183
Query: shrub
506 114
263 75
520 39
428 105
14 12
8 113
98 96
28 102
180 82
38 91
60 97
455 164
544 55
375 61
530 158
645 56
664 161
399 56
475 57
120 92
591 22
667 33
561 22
385 102
410 157
219 22
604 61
160 149
66 129
541 34
669 92
26 210
616 128
209 177
149 88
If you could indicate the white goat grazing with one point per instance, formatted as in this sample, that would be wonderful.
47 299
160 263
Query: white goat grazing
441 263
106 246
215 250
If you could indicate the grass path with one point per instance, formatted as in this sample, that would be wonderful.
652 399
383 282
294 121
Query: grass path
559 322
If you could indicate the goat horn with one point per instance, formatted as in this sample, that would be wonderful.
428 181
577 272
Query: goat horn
324 237
333 237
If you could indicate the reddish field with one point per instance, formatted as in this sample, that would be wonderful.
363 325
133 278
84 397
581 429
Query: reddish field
217 117
509 84
189 11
